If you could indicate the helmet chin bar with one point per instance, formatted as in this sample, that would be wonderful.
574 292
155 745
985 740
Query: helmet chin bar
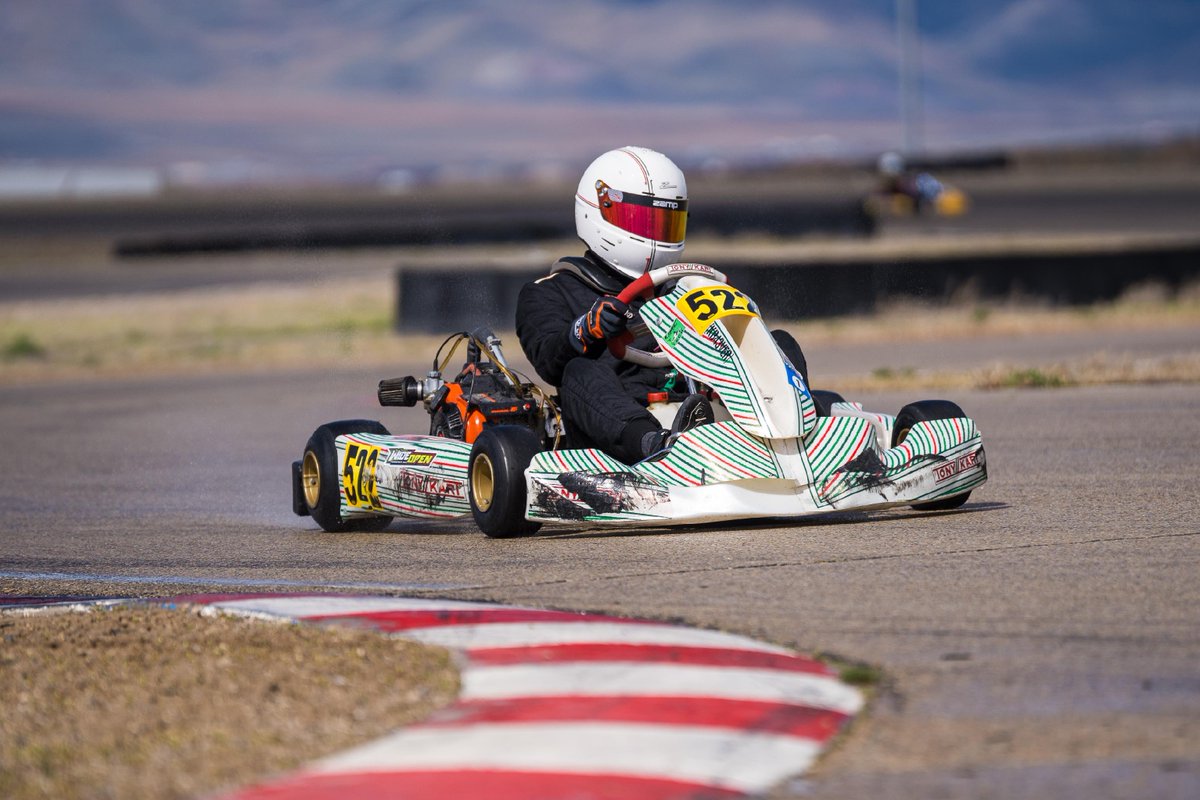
648 264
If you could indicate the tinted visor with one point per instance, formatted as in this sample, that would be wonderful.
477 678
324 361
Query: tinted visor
659 218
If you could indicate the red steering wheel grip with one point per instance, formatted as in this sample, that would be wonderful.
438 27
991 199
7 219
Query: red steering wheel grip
640 286
618 343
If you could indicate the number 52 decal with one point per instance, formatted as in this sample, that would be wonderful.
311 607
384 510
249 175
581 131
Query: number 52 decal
704 306
358 476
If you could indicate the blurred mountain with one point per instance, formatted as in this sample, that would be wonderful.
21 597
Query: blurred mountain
343 87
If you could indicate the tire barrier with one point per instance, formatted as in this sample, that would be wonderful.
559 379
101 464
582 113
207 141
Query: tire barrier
383 224
431 300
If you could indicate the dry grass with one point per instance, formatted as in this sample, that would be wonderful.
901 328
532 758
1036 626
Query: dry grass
338 323
1146 307
255 327
1096 370
153 703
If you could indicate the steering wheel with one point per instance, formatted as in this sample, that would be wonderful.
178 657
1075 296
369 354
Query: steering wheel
644 287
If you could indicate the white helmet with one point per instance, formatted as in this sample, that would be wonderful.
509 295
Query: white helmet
631 210
891 163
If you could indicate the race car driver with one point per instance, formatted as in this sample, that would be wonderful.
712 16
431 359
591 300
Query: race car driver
631 213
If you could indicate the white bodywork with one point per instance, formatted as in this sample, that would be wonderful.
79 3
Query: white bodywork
768 454
771 455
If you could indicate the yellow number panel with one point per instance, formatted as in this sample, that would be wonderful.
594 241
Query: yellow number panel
358 476
704 306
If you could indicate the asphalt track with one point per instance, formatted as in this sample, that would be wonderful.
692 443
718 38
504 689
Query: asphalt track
1042 641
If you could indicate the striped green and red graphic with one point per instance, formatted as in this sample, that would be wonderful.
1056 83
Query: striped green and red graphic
415 476
713 357
713 453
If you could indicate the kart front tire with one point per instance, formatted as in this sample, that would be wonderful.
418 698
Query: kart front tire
824 400
496 477
320 478
928 411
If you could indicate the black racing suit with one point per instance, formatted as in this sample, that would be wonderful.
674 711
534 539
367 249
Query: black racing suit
603 399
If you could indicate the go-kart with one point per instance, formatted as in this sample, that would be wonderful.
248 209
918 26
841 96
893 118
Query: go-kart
916 195
499 450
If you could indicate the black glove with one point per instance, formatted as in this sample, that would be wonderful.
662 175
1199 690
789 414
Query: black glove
607 317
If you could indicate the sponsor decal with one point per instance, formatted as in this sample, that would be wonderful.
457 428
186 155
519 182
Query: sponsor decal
555 501
665 204
509 409
796 379
429 486
613 492
685 267
704 306
720 345
907 484
577 495
675 334
358 476
423 458
946 471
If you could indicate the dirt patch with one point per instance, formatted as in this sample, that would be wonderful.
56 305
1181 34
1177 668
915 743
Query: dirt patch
145 702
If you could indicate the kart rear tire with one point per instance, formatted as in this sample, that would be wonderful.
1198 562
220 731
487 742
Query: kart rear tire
824 400
496 480
928 411
321 476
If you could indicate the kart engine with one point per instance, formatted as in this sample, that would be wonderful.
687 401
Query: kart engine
485 392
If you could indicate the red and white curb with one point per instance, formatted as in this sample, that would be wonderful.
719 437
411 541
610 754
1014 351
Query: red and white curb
563 705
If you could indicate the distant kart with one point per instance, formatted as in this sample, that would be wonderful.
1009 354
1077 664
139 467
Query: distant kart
498 448
917 195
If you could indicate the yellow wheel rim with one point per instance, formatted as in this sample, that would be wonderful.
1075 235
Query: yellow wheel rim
310 478
902 435
483 482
